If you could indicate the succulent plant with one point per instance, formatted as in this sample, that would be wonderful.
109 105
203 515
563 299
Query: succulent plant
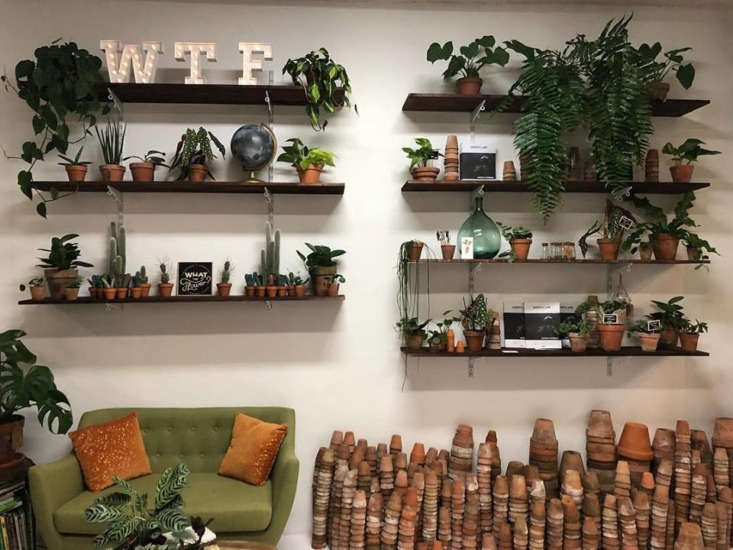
270 255
282 280
249 279
117 260
165 277
226 273
142 275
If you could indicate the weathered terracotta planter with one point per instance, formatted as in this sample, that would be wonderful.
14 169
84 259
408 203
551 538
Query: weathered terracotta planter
694 254
71 294
142 171
122 293
634 442
333 289
321 277
165 289
469 85
299 291
197 172
578 343
649 341
224 289
271 291
76 172
136 292
145 288
474 340
609 249
38 293
682 173
58 280
110 293
668 338
310 175
723 432
659 91
112 172
260 291
249 291
11 440
414 250
688 342
415 340
520 247
611 336
282 291
448 251
424 173
665 247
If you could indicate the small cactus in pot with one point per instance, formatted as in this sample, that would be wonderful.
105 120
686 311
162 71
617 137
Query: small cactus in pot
71 292
224 287
165 288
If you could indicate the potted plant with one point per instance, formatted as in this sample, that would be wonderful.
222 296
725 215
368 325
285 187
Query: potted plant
475 318
447 249
336 281
283 286
143 281
671 319
297 285
519 238
577 334
648 333
612 228
645 251
60 266
95 286
124 286
673 62
439 336
413 332
194 154
325 83
683 156
165 288
254 285
26 384
690 334
472 58
145 169
249 284
412 250
36 286
224 287
71 292
420 157
136 292
112 141
322 265
109 292
76 169
611 326
307 162
697 247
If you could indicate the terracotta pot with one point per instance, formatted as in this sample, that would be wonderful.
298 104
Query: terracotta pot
310 175
578 343
571 460
282 291
609 249
448 251
71 294
38 293
122 293
414 250
321 277
649 341
92 292
224 289
474 340
694 254
681 173
688 342
435 347
668 338
543 433
645 253
659 91
142 171
58 280
417 456
165 289
520 247
260 291
689 538
424 173
136 292
76 172
11 439
665 247
145 288
299 291
271 291
112 172
634 442
110 293
469 85
333 289
249 291
415 341
600 425
723 432
291 290
611 336
198 172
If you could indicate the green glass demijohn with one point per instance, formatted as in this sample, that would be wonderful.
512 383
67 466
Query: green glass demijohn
485 233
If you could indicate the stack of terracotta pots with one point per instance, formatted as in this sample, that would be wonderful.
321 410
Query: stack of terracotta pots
590 534
390 527
698 493
461 452
450 161
357 537
555 524
386 475
408 520
573 488
572 527
374 521
571 460
537 517
521 534
700 443
491 441
723 437
609 523
444 513
627 523
601 448
660 504
543 454
321 496
458 508
471 514
635 448
518 506
430 507
709 526
622 484
662 447
483 476
720 469
690 537
643 515
682 470
501 502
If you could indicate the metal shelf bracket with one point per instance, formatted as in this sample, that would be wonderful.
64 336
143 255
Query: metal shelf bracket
475 116
119 201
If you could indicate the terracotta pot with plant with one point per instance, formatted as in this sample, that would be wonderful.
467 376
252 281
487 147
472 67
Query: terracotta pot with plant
20 373
690 334
413 332
420 159
698 249
610 328
145 169
414 250
519 239
165 288
648 332
612 227
336 281
76 169
645 252
109 292
308 162
322 266
684 156
447 249
60 266
71 292
469 62
577 334
194 155
224 287
112 142
475 319
140 279
36 287
671 318
438 338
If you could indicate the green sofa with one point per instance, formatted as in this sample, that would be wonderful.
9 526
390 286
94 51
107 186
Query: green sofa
198 437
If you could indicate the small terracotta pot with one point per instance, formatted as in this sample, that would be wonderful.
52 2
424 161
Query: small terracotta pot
600 425
282 291
197 172
271 291
543 434
609 249
165 290
417 456
435 347
333 290
723 432
694 254
414 250
299 291
142 171
689 538
38 293
112 172
688 342
11 439
665 247
469 85
634 442
249 291
145 288
571 460
92 292
110 293
448 251
224 289
474 340
611 336
260 291
424 173
136 292
310 175
71 294
291 290
649 341
76 172
659 91
668 338
121 293
520 247
415 341
578 343
58 280
681 173
645 253
321 279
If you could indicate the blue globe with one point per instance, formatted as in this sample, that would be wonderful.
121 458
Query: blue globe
254 145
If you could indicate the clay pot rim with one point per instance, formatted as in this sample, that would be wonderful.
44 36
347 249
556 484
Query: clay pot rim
142 165
470 79
605 240
520 241
76 166
12 419
611 327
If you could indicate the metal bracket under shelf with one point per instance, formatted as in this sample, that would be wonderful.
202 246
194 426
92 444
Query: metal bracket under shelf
475 116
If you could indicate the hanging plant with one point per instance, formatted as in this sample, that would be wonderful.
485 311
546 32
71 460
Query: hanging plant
58 84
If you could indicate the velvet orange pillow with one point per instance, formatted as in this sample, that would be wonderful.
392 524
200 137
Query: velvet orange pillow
253 449
114 448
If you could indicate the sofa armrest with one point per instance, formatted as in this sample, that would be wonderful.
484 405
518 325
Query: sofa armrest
284 480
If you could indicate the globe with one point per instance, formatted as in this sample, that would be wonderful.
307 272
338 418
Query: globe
254 145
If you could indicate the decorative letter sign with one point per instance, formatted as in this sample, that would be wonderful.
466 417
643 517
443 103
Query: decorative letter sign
195 49
118 66
250 65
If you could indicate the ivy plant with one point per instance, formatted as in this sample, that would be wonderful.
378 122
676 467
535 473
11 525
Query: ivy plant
422 154
468 63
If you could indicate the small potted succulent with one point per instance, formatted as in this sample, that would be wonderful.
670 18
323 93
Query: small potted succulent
413 332
145 169
124 284
36 286
96 288
447 249
110 292
336 281
62 263
322 265
76 169
519 238
610 326
194 154
136 292
112 141
249 284
648 333
690 334
143 282
308 162
420 158
577 334
165 288
254 285
224 287
475 318
298 285
671 319
283 286
683 156
71 292
472 58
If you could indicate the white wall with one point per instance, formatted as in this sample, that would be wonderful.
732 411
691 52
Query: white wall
340 366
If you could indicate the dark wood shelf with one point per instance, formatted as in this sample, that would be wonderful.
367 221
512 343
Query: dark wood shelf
178 299
498 186
465 104
627 351
208 94
596 261
282 188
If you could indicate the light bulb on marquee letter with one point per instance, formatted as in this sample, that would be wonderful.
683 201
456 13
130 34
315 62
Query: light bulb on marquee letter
250 65
195 49
118 66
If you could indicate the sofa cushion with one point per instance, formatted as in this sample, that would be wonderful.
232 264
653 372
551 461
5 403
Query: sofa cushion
234 505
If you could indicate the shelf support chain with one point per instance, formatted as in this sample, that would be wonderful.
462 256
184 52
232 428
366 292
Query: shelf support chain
475 116
471 364
111 96
270 201
271 123
119 201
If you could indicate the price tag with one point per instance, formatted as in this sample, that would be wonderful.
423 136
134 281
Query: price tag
434 154
653 325
626 222
610 319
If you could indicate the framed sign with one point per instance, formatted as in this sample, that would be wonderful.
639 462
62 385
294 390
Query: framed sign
194 278
653 325
610 319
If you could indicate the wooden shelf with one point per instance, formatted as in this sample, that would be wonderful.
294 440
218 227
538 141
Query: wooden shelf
630 351
498 186
179 299
466 104
208 94
595 261
233 187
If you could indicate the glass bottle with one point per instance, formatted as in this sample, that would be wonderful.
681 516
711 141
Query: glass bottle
623 297
593 338
483 230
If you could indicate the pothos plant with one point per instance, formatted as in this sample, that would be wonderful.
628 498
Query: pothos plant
422 154
194 147
58 84
472 57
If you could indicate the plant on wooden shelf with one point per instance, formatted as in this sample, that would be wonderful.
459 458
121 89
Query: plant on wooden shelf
112 142
58 84
697 248
36 287
611 324
690 334
165 288
62 263
71 292
673 62
577 332
616 221
413 332
297 284
224 286
145 169
335 282
23 384
308 162
322 265
143 281
648 332
442 338
420 158
671 317
194 155
447 249
476 319
325 82
683 156
520 240
76 169
477 54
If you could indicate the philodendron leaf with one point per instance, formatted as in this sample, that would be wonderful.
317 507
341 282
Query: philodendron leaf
686 75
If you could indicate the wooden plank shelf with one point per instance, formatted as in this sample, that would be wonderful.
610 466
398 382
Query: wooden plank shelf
498 186
594 261
465 104
627 351
179 299
232 187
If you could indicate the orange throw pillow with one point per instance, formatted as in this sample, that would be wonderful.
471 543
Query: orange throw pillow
115 448
253 449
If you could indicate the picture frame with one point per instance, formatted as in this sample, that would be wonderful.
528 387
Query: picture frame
195 278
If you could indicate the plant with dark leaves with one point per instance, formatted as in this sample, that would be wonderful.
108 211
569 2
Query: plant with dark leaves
468 63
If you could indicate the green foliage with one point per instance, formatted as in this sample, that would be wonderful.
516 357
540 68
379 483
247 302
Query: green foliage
76 161
321 79
476 315
475 55
194 147
641 326
611 227
270 255
226 273
410 325
320 256
657 221
58 84
610 306
164 275
141 276
422 154
688 327
510 232
699 245
295 280
688 151
440 334
35 281
670 313
579 327
63 254
155 157
112 141
300 156
117 260
76 283
673 61
33 386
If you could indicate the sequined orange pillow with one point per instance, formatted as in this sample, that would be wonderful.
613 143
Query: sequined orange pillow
114 448
253 449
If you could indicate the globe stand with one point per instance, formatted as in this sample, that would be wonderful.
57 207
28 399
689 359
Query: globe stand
253 178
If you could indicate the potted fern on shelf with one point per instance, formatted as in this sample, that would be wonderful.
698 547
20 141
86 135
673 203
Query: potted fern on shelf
308 162
194 154
112 142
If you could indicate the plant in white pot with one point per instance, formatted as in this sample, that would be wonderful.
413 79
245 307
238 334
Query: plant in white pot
60 266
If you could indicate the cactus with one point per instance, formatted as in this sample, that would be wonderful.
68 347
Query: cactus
226 273
282 280
117 260
142 275
270 255
249 279
164 275
106 281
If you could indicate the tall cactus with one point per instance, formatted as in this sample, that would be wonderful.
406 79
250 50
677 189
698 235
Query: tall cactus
270 255
117 249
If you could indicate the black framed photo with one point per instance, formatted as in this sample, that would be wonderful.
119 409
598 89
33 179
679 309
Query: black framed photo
195 278
478 162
